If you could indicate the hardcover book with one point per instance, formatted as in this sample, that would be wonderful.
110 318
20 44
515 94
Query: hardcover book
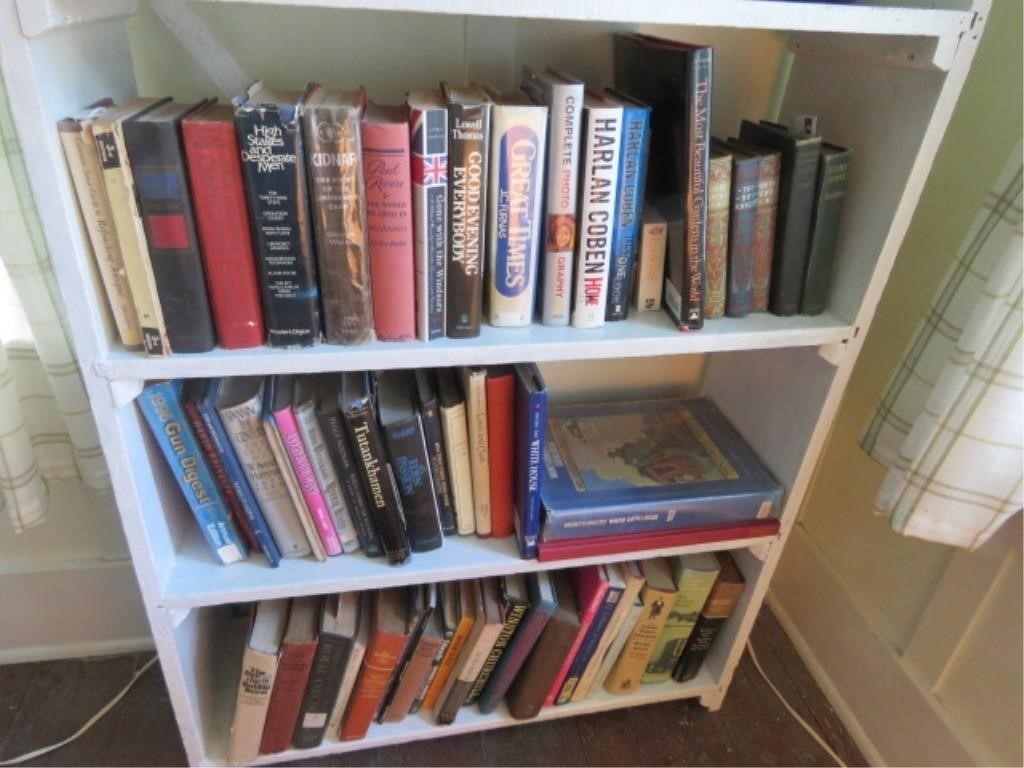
716 611
222 221
270 137
337 192
474 387
353 666
621 626
407 451
585 655
833 174
419 665
602 138
469 132
501 427
76 136
675 80
455 429
297 651
385 132
428 127
591 586
239 403
649 465
441 624
739 292
764 226
421 599
650 267
458 604
514 604
518 143
629 200
530 435
717 246
428 404
160 404
563 96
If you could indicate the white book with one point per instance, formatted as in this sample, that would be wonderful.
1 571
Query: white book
455 431
474 388
620 640
602 134
240 403
518 139
563 95
650 267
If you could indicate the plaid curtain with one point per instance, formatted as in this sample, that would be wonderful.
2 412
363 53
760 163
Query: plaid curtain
46 427
949 428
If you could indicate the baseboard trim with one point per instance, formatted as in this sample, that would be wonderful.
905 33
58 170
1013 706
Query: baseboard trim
75 650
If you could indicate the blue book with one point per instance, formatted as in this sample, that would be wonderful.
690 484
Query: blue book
207 407
649 465
161 406
531 425
636 141
590 641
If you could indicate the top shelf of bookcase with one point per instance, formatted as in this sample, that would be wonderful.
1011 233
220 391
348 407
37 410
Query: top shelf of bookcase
644 334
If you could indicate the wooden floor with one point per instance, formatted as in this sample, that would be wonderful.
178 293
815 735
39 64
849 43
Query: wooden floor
45 702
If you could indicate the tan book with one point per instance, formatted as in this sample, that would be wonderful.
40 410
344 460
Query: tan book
131 235
259 669
658 594
458 613
456 447
352 667
620 640
474 387
76 135
650 267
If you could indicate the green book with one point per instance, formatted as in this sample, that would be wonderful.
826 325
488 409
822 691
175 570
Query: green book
694 576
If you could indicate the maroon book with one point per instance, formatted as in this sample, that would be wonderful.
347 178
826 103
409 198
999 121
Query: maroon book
501 430
222 219
386 159
297 651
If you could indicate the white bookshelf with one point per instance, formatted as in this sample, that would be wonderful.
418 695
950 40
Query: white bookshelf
883 81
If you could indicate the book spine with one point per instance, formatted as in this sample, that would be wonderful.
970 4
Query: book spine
286 699
614 651
531 421
613 628
602 130
251 704
131 238
525 638
693 592
589 645
378 483
333 429
337 195
222 218
469 133
501 430
408 453
413 677
270 142
455 428
565 103
447 666
291 438
475 658
764 228
717 241
249 507
348 683
514 216
378 668
332 654
434 438
435 665
429 130
284 466
479 454
834 170
389 224
650 270
87 177
162 410
588 613
326 477
513 618
793 229
698 141
742 237
245 432
625 676
636 139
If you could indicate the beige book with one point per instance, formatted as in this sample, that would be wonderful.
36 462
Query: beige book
131 235
256 681
650 268
619 641
629 575
474 387
348 679
454 430
76 135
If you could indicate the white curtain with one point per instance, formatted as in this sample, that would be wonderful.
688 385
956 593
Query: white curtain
46 427
949 428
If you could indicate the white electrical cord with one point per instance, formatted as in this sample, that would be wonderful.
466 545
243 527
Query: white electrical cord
793 712
91 722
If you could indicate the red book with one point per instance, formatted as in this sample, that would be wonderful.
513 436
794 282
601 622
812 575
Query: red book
222 221
591 585
501 430
637 543
386 159
389 634
296 661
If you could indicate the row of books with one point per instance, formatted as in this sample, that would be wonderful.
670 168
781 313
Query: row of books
317 667
291 217
389 463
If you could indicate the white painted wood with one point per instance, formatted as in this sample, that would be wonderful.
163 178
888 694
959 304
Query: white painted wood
39 16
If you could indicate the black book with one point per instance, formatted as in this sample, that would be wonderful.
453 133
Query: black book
339 627
797 181
422 601
721 602
514 604
357 408
675 80
469 132
833 173
333 427
407 450
153 141
269 129
427 403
